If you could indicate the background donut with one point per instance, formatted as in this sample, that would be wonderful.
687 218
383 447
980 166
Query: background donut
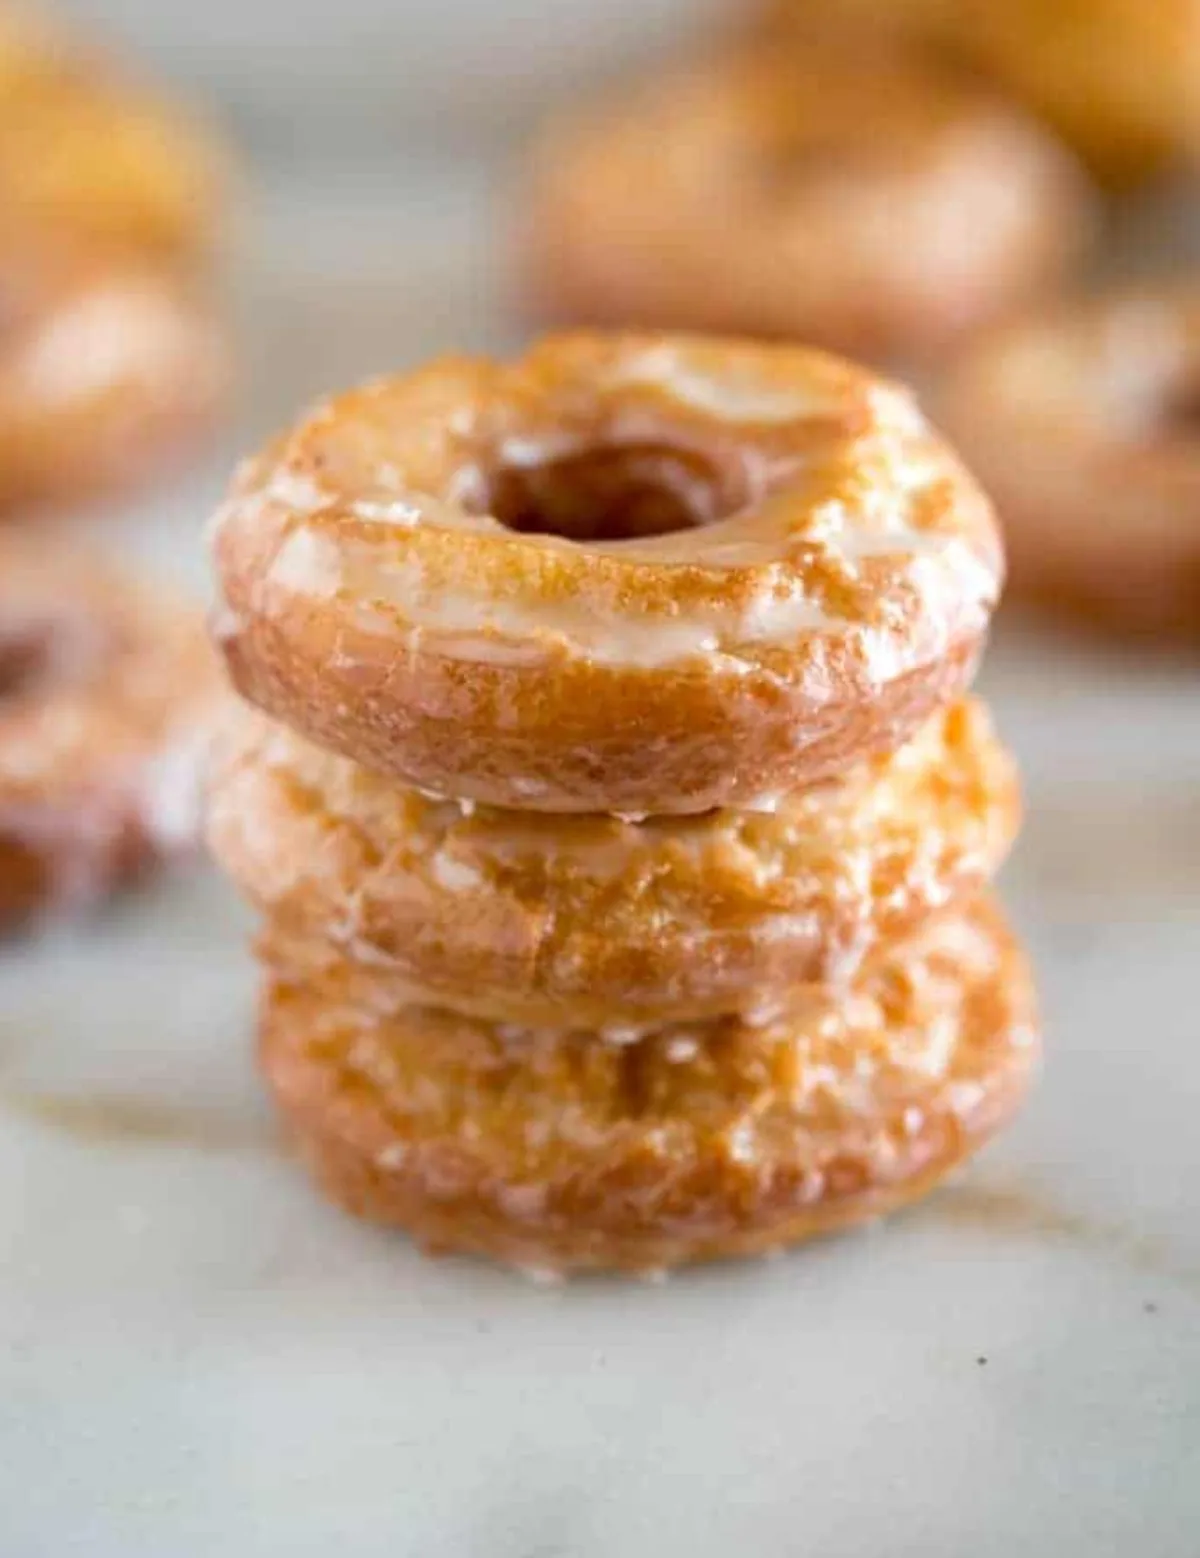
858 199
1116 78
106 690
1082 424
108 371
93 157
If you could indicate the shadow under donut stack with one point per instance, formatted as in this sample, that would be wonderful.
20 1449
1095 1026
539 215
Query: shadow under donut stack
610 791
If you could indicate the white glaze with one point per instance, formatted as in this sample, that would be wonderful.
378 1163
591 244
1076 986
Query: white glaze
391 596
679 375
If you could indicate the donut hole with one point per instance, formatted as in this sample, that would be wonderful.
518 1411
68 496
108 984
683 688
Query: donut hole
26 660
1181 414
610 494
40 651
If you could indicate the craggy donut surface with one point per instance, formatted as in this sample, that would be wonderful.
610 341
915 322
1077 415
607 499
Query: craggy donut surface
632 574
876 206
91 158
1084 428
105 371
592 921
557 1151
1116 77
105 690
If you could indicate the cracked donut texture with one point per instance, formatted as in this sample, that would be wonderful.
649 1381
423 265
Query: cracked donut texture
606 783
830 590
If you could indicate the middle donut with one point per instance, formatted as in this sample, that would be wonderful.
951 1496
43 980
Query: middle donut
635 574
593 921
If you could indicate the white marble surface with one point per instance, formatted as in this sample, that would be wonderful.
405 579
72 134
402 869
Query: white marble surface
198 1358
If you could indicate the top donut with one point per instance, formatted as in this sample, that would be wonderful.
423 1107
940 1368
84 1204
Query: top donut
634 574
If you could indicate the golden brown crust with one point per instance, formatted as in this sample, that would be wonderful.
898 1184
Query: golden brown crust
560 1152
593 921
831 590
1082 426
105 693
1117 78
109 370
859 200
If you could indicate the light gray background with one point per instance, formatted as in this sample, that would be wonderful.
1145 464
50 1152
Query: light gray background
308 76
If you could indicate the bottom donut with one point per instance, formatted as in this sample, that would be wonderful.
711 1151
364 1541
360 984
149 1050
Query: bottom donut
561 1152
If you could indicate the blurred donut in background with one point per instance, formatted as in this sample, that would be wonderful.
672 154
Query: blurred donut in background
106 691
1084 425
107 371
875 205
112 358
1117 78
94 158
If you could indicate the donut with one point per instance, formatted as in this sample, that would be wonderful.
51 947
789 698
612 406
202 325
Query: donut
594 921
94 158
1116 78
1082 424
558 1152
636 574
106 688
870 204
108 371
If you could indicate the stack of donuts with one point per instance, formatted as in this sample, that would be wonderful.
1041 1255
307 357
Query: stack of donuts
608 784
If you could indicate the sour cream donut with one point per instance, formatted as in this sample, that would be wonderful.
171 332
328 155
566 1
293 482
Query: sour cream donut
107 370
106 688
878 206
558 1152
1083 425
592 921
640 574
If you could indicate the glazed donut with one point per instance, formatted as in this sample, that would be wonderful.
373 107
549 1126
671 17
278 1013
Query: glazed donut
556 1151
93 159
107 371
876 206
591 921
1117 78
638 574
1083 426
105 693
